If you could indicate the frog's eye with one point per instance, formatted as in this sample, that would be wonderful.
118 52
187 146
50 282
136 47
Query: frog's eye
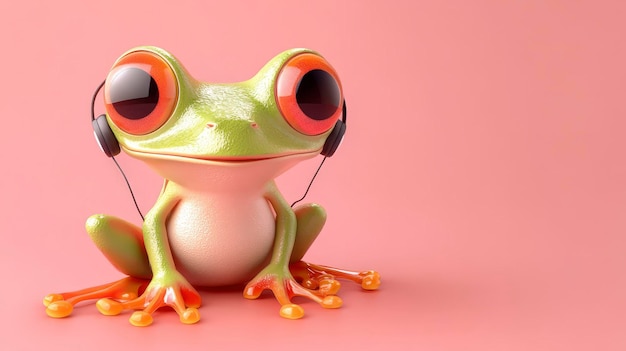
308 93
140 92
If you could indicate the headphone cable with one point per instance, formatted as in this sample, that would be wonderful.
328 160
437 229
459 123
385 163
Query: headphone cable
129 187
310 183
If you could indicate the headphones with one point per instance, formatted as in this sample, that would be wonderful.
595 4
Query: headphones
336 136
111 147
102 131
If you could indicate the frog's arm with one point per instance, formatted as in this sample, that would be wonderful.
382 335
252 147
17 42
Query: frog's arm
155 234
168 287
277 276
286 225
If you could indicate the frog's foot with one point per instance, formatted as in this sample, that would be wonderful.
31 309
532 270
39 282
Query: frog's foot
180 296
62 305
324 280
285 287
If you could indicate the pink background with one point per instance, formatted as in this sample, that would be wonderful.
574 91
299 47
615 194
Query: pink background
483 173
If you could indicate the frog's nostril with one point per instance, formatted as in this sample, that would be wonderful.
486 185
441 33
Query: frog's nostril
210 125
254 125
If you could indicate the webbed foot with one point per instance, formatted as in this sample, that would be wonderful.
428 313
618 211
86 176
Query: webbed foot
323 278
285 287
62 305
174 292
132 294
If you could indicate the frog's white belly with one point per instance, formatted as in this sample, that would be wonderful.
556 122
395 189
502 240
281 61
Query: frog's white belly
222 239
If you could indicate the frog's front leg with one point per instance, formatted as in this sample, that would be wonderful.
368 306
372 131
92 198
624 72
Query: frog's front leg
292 239
122 243
312 281
167 287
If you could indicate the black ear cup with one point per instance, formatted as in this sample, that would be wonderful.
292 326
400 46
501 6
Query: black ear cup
105 137
334 138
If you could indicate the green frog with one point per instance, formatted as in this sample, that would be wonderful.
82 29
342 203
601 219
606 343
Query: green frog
220 219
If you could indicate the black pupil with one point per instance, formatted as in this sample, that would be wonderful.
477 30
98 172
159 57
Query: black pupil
133 93
318 94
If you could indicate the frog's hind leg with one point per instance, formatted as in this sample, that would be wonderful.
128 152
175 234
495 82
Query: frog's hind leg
62 305
122 243
311 218
323 278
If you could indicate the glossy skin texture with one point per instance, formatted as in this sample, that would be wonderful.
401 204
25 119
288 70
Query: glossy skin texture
220 219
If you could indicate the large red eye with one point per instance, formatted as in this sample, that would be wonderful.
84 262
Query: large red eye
308 93
140 92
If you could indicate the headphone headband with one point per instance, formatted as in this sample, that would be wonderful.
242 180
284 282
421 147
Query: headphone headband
93 100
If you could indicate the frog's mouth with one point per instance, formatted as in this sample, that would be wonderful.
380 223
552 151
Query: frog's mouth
220 159
220 174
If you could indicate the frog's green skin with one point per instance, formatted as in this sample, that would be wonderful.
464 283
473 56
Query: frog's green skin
220 219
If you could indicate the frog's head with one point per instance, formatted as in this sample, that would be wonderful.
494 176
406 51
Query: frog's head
157 111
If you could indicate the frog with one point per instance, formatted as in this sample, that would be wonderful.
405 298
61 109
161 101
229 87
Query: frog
220 219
